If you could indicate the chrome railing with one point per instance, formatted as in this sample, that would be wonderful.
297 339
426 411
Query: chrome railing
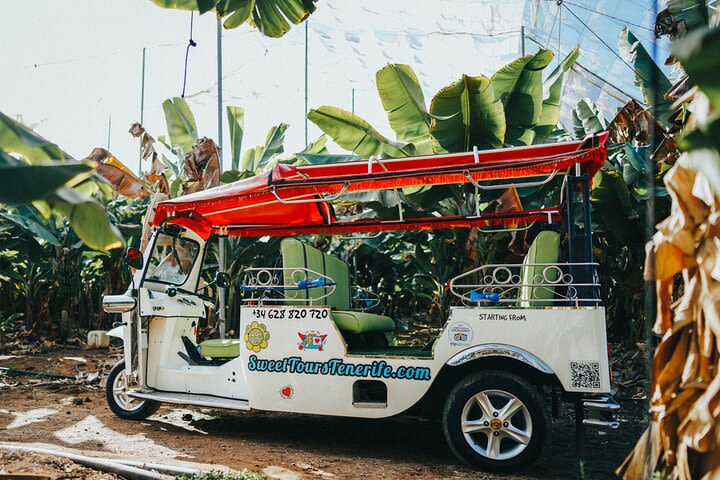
508 285
261 282
364 299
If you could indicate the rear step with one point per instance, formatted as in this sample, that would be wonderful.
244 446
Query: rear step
604 403
190 399
603 424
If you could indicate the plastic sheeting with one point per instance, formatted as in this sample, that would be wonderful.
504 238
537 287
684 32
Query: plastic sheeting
598 73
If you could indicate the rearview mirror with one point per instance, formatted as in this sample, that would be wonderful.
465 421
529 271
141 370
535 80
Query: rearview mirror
222 280
134 258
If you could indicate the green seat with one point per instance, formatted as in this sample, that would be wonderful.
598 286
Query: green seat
544 249
220 348
297 254
362 322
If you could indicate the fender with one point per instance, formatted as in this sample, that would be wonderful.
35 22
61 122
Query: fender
499 350
116 332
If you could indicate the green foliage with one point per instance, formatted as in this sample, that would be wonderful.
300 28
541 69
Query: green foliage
518 86
587 119
236 122
552 87
468 113
273 18
85 213
355 134
260 157
403 100
647 75
180 124
509 109
24 183
243 474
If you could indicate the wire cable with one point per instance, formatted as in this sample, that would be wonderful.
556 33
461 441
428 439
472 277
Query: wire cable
610 16
559 33
553 27
612 50
191 43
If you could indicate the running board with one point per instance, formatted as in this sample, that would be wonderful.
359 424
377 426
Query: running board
190 399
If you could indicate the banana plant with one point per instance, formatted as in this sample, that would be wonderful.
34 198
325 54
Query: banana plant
518 85
37 158
652 81
514 107
273 18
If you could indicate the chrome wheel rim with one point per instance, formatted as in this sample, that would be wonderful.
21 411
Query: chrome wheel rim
496 424
120 388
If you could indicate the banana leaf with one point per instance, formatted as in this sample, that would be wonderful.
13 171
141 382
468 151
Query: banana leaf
403 100
518 85
24 183
87 218
273 18
17 138
647 72
260 157
588 119
27 220
355 134
611 199
180 124
697 53
123 181
467 114
236 122
552 87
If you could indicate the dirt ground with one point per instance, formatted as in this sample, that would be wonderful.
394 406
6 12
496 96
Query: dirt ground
71 415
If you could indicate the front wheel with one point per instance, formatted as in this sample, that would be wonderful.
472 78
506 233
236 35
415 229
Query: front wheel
495 421
120 403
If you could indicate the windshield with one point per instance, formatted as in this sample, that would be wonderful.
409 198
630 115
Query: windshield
172 259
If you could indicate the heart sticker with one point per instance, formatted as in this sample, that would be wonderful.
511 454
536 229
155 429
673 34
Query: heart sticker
286 392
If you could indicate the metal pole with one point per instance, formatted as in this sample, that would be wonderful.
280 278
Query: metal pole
522 40
142 110
352 101
221 238
306 82
109 128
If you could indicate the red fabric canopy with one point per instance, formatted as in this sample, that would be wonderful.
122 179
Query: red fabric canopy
288 199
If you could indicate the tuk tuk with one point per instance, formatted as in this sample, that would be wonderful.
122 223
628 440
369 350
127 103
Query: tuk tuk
517 338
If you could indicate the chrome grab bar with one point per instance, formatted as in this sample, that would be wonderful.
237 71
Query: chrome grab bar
328 198
503 186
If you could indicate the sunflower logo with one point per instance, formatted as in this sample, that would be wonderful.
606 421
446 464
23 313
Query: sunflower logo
256 336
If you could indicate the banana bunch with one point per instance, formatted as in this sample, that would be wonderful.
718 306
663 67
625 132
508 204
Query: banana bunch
68 279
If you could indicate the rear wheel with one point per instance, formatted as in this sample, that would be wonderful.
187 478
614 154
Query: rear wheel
495 421
120 403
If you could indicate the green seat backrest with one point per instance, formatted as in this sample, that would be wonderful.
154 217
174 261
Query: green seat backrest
544 249
296 254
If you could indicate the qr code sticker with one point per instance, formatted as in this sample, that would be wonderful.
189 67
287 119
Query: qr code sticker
585 375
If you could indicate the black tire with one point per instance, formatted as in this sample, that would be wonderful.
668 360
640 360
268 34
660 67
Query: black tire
510 453
140 411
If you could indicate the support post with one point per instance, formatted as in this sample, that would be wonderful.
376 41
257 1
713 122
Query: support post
222 238
579 429
109 129
142 110
306 81
522 40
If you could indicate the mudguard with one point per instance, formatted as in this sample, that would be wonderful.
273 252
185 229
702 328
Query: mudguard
116 332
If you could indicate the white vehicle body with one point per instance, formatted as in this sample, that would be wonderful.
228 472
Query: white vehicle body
554 341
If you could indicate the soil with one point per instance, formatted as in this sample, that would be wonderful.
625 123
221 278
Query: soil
72 415
46 466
